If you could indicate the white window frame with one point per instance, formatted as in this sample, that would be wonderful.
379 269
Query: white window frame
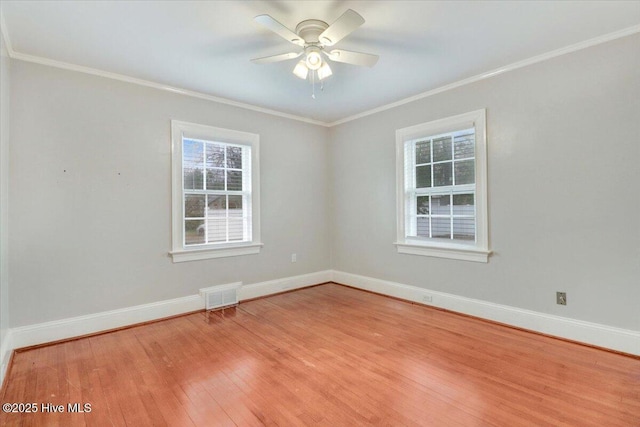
180 252
477 250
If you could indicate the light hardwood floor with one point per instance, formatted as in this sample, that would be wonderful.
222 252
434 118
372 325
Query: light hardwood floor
327 355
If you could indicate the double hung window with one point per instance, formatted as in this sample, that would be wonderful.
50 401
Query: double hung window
442 188
215 192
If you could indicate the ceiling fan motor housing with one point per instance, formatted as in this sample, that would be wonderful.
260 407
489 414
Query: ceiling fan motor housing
310 30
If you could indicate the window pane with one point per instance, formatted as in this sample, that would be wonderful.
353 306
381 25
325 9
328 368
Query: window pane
192 164
441 228
442 174
217 219
236 229
464 146
193 179
464 228
422 205
194 205
463 204
423 227
234 157
465 172
193 232
216 205
463 199
236 220
234 180
215 156
217 230
440 205
423 176
235 205
215 179
442 149
423 152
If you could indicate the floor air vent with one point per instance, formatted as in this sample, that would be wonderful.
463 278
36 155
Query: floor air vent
220 296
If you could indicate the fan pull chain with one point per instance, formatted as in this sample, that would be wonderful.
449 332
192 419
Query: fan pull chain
313 84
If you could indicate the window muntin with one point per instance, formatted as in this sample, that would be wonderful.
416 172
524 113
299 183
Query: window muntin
441 188
216 192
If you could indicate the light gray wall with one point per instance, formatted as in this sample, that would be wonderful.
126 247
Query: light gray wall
5 89
90 192
564 188
90 195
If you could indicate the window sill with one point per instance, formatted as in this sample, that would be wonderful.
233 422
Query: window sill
219 252
443 250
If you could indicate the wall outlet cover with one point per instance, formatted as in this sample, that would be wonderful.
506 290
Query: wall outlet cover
561 298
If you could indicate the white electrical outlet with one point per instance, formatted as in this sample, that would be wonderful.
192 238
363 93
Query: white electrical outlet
427 298
294 258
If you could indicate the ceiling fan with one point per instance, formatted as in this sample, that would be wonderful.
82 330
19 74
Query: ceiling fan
315 36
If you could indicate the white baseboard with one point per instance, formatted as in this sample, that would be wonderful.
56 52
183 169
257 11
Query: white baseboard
261 289
41 333
624 340
5 354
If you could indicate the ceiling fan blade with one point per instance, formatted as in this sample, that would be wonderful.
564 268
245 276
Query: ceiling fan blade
276 58
354 58
279 29
345 24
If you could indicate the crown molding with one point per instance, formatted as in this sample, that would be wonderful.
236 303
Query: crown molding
121 77
166 88
514 66
501 70
148 83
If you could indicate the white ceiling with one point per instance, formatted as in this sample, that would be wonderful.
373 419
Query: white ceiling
206 46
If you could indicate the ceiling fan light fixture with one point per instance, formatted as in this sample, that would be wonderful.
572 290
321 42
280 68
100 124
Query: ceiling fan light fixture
324 71
301 70
314 59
